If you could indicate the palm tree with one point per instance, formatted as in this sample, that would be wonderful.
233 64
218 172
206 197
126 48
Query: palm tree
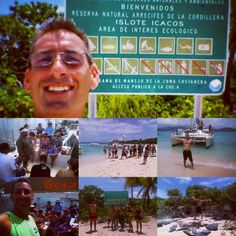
132 182
148 186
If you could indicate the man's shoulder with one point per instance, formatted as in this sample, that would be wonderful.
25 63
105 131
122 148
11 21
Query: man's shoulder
3 217
5 224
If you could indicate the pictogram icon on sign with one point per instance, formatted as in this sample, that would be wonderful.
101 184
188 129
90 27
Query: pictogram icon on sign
199 67
112 66
182 67
129 66
93 44
147 66
216 67
147 45
109 44
165 66
128 45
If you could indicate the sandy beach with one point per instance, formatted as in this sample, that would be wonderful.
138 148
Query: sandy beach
171 164
174 167
149 229
164 230
130 167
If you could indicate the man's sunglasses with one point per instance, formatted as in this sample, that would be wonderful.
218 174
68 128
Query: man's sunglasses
47 58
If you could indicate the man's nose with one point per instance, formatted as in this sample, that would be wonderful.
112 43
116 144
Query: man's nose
58 68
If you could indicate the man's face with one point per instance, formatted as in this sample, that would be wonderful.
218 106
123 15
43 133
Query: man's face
60 90
24 134
22 196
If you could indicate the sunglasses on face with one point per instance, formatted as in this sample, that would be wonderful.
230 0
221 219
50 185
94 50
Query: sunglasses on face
47 58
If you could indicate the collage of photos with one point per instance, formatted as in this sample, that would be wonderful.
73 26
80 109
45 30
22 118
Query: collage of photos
117 118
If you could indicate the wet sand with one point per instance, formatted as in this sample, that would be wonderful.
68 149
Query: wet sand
173 166
130 167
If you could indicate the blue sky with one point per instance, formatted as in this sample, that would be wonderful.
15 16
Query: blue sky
107 184
215 122
103 130
4 9
181 183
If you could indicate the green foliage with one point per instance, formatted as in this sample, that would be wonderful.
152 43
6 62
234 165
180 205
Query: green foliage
174 193
214 106
214 196
150 106
196 191
87 195
231 194
20 106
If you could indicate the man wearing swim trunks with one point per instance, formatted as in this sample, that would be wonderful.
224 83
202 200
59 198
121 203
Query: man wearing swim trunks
139 214
187 149
199 204
92 216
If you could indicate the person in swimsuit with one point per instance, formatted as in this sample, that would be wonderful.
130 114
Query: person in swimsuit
199 205
187 149
139 213
130 216
92 216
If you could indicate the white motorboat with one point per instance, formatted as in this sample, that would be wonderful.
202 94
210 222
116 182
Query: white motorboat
203 136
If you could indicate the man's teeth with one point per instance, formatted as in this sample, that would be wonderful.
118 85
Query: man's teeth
59 89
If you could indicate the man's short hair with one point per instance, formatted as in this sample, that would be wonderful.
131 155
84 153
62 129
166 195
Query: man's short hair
21 180
4 148
43 157
56 24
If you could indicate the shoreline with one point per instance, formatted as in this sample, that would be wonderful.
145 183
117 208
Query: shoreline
175 167
130 167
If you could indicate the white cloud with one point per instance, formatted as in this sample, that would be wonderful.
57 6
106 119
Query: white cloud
213 182
162 193
184 180
117 128
61 9
166 180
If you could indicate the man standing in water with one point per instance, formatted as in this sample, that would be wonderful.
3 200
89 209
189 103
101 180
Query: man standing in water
18 222
187 149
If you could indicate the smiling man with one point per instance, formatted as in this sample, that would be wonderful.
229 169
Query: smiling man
60 73
18 222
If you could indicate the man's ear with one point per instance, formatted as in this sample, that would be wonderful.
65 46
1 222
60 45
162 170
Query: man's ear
94 76
27 83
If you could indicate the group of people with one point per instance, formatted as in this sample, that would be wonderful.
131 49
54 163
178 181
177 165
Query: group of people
120 217
36 145
56 220
129 151
44 142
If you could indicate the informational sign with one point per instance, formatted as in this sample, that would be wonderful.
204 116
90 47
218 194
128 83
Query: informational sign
116 198
156 46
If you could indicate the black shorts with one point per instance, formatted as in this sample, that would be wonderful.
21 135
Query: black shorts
198 210
187 154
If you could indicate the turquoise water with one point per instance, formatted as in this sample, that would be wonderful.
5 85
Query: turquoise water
90 150
223 149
